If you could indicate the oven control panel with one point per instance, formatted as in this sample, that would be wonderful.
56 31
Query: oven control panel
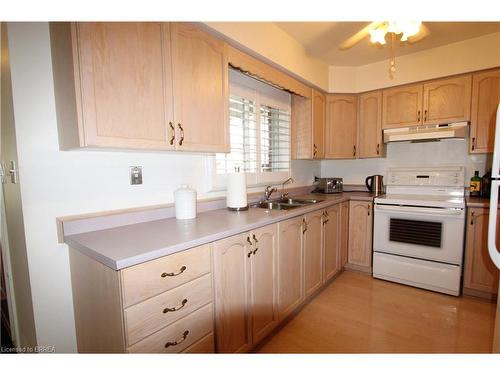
430 176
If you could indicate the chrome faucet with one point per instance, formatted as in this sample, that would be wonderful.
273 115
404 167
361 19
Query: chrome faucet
269 190
284 194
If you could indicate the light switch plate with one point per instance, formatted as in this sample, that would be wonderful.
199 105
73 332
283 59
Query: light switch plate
135 175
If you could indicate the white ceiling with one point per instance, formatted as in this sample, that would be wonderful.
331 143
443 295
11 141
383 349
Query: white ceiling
321 39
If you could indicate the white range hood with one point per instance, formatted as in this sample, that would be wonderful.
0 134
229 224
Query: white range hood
427 132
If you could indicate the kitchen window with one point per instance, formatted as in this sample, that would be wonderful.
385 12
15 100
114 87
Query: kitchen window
259 122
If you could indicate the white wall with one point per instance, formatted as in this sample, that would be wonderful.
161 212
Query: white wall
57 183
465 56
446 152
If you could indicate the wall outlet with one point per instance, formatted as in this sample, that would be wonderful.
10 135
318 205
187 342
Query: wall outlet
135 175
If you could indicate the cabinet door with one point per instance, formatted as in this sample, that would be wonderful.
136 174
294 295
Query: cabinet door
290 270
480 273
201 93
402 106
447 100
370 143
341 126
319 118
344 233
264 281
301 130
125 83
360 234
332 241
485 98
232 258
313 251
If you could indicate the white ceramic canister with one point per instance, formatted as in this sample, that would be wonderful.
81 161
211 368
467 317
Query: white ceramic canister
185 203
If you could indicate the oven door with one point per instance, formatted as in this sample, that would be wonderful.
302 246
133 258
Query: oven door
420 232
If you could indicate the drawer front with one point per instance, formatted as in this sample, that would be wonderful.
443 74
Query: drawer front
179 335
149 316
203 346
151 278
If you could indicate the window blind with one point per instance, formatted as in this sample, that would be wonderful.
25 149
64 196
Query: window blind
275 139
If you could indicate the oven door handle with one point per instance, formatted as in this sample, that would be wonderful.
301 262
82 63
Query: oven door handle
421 210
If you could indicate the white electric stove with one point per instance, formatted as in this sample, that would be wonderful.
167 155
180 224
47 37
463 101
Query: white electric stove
419 228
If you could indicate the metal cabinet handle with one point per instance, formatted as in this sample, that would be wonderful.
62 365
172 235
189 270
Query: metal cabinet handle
177 308
425 115
378 148
249 254
473 143
369 209
255 238
182 133
177 342
255 250
315 150
172 128
304 222
472 218
249 241
354 151
418 115
181 270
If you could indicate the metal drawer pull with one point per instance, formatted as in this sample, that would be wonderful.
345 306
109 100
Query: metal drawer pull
173 133
177 342
177 308
249 241
378 148
418 115
425 115
255 250
473 143
305 226
472 218
165 274
182 134
255 238
250 253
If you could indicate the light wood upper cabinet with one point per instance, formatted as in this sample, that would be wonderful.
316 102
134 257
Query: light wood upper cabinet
319 118
370 142
402 106
480 274
360 235
341 126
290 266
332 235
201 89
264 283
313 251
140 85
344 233
113 87
485 99
301 128
232 293
447 100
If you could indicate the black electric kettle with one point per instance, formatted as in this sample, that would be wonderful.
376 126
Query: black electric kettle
375 183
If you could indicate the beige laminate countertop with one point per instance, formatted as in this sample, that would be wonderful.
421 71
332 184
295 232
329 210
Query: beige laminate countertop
129 245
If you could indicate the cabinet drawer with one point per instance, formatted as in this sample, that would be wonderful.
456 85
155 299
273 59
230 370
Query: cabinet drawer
157 276
179 335
149 316
203 346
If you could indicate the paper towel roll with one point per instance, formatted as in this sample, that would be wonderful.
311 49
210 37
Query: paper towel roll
237 191
185 203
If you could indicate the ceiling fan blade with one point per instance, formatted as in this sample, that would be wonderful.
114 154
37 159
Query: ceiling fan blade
424 32
358 37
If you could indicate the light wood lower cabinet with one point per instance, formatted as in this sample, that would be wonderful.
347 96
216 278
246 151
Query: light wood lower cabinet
290 265
313 251
245 289
332 241
480 274
344 233
161 306
360 235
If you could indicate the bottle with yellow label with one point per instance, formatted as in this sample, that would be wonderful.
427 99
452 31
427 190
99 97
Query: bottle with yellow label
475 185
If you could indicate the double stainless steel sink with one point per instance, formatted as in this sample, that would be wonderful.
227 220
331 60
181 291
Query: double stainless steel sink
284 203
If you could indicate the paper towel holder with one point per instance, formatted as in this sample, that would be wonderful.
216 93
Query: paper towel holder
244 208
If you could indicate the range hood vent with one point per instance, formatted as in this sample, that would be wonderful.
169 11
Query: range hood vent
427 132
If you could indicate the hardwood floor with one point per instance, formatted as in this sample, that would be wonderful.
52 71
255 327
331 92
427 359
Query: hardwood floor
359 314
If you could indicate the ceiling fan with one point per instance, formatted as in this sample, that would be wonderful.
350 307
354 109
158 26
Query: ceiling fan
405 31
